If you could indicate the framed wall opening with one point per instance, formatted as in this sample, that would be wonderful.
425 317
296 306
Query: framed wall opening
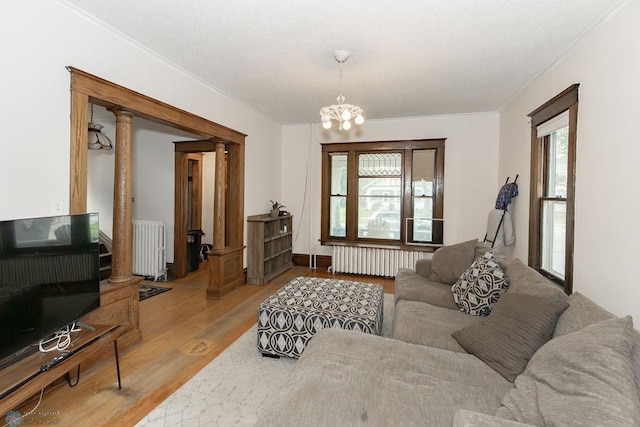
125 103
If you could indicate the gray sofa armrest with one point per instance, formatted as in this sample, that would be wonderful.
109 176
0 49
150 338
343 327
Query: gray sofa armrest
466 418
423 267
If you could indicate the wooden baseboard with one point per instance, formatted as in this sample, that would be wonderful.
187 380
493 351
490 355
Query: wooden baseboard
302 260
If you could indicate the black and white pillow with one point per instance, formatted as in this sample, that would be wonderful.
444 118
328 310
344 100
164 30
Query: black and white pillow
480 286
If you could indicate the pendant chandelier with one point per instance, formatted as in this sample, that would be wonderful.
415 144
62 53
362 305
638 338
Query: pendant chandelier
341 112
97 140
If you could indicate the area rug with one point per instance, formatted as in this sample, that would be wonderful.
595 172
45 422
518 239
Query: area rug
148 291
231 389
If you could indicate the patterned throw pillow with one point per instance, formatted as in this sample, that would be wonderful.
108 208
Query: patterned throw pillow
480 286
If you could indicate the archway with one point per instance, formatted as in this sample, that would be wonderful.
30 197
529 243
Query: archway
226 272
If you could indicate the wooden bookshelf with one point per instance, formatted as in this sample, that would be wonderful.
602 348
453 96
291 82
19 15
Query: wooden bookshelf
270 250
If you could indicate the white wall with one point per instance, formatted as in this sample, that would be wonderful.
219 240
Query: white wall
101 170
46 36
471 170
606 63
153 175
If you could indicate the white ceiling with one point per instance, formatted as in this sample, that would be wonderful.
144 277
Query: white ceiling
408 58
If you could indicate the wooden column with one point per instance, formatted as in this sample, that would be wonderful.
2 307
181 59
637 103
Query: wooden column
235 195
122 265
219 203
225 259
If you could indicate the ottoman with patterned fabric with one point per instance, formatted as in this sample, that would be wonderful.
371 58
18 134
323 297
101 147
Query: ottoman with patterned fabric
288 319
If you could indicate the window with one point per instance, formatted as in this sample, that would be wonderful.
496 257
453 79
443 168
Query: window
379 195
553 148
554 202
383 192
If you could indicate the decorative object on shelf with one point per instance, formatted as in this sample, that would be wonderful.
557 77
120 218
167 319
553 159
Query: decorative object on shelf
341 112
275 208
97 140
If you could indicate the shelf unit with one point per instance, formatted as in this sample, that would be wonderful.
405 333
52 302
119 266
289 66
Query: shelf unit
270 250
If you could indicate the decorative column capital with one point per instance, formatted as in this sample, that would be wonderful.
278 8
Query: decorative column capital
121 112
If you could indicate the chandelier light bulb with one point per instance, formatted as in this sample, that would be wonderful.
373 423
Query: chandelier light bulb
341 112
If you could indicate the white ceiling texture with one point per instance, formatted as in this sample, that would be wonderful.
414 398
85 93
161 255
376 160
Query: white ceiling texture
408 57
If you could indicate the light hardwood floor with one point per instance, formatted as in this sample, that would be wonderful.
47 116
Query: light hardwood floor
182 332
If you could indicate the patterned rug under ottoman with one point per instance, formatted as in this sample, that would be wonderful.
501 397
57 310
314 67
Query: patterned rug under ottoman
288 319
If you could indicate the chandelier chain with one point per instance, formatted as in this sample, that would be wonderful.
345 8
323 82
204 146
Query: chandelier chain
341 97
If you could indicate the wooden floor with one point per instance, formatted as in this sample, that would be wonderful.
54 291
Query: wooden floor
182 332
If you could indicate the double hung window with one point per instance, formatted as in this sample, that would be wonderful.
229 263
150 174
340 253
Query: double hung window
552 187
383 192
553 209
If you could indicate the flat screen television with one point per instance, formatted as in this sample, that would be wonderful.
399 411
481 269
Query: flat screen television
49 278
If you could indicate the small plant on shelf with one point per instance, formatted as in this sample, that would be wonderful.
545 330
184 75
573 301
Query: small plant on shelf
275 208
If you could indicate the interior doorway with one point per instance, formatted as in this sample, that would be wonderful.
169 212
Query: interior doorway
194 191
125 104
189 185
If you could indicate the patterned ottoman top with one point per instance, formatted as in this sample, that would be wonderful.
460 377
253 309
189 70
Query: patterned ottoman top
339 296
288 319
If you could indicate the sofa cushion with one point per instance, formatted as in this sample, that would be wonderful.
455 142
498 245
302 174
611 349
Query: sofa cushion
347 378
480 286
409 285
581 312
466 418
449 262
423 267
424 324
517 326
526 280
481 249
581 378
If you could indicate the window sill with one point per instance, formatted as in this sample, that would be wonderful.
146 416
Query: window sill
405 247
553 278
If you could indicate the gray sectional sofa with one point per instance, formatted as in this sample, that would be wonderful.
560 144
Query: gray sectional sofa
539 358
